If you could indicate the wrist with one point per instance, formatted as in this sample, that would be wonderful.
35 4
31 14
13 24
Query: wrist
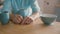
32 17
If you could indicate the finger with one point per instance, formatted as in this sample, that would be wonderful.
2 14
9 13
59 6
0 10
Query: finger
28 21
19 19
31 20
16 21
24 21
13 18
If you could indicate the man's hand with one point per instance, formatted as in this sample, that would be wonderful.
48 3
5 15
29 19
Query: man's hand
17 19
27 20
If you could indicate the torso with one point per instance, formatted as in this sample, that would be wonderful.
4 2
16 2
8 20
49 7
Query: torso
22 4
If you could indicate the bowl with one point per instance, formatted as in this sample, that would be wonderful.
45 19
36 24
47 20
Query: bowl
48 18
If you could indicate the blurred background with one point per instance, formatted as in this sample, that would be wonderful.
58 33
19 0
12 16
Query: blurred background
50 7
47 6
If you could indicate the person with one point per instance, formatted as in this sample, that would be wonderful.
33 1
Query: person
4 16
23 11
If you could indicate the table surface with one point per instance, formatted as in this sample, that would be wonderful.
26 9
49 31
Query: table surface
36 27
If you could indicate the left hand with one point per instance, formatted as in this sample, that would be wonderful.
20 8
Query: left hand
17 19
27 20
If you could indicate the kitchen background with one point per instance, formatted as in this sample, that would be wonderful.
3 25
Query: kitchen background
50 6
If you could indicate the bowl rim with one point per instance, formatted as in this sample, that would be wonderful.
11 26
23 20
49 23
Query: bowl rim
48 15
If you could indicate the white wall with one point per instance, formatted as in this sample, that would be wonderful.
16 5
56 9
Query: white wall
47 8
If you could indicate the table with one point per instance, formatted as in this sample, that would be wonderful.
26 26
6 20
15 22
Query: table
36 27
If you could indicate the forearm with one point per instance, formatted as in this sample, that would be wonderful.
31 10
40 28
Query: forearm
35 15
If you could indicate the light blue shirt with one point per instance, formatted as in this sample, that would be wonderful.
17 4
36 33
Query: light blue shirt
0 11
22 7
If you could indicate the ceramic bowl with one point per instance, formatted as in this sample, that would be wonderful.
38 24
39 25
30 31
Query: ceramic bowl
48 18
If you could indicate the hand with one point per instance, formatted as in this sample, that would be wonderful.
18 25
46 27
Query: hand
17 19
27 20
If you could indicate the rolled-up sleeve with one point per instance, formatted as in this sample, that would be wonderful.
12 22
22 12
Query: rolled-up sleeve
35 7
6 6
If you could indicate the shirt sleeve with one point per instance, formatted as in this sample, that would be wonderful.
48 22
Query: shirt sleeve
6 6
35 7
0 11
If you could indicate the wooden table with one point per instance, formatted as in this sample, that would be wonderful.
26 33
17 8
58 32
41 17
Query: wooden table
35 28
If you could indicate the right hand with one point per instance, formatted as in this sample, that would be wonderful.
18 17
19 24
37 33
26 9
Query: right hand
17 19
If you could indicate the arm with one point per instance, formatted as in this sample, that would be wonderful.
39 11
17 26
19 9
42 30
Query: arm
36 9
35 15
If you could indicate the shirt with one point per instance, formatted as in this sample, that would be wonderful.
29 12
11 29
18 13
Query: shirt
22 7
